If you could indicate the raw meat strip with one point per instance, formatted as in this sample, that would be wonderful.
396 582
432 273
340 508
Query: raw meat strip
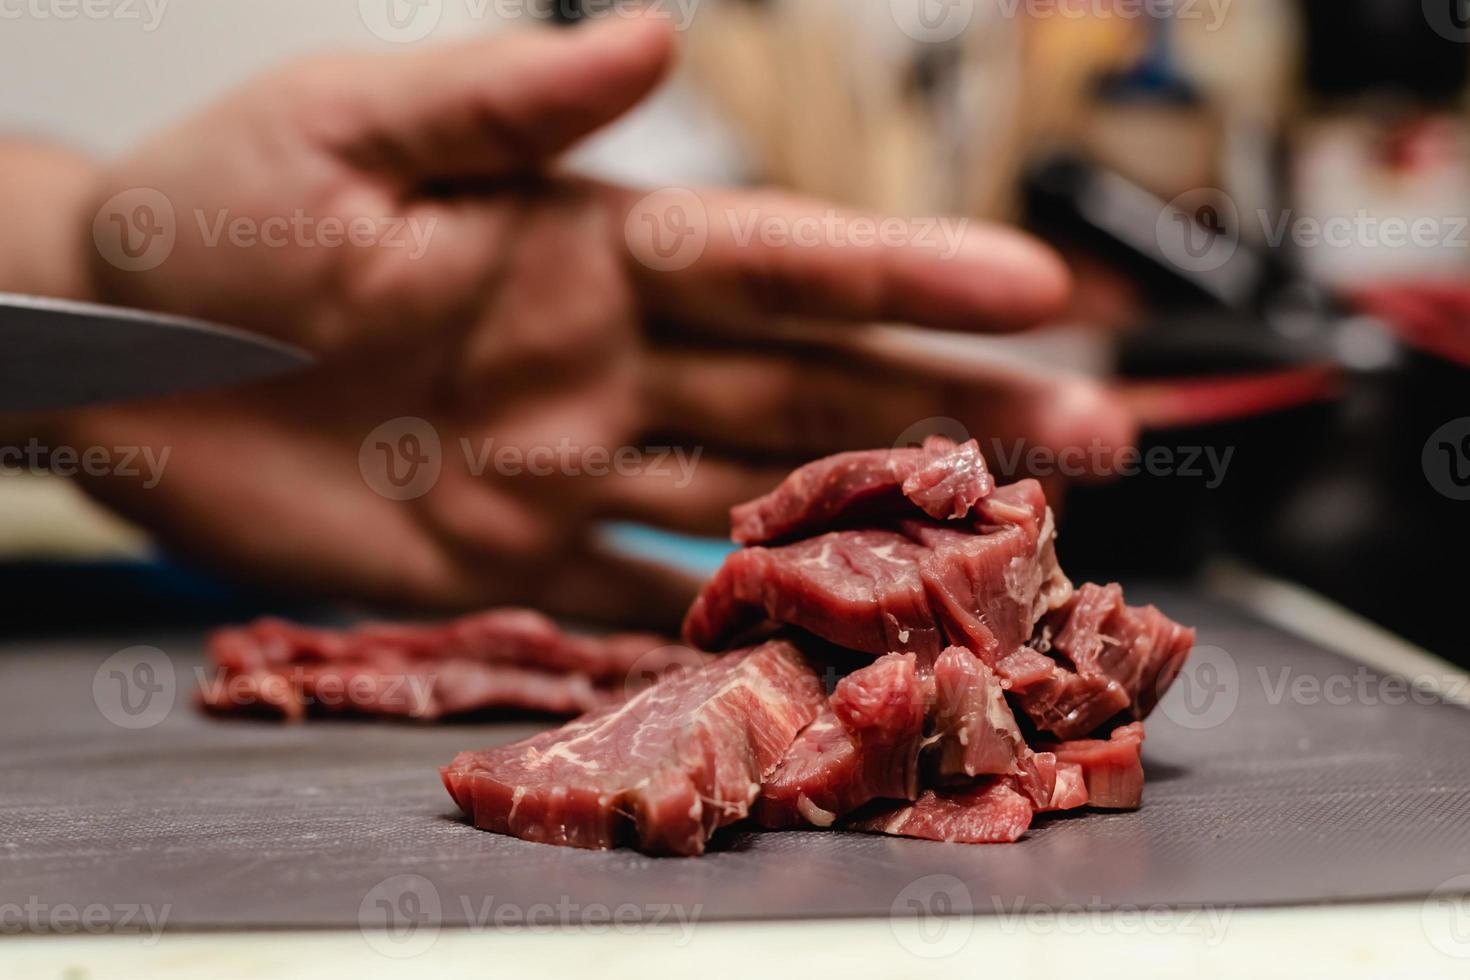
402 689
506 658
1111 767
662 771
1057 700
511 636
990 586
864 745
859 589
941 479
974 732
991 812
949 480
1106 659
914 589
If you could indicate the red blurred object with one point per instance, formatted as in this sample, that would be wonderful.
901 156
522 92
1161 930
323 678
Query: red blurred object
1181 402
1431 316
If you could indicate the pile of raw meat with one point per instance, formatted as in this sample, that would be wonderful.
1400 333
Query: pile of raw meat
904 657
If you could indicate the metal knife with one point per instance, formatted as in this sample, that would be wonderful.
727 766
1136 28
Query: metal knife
59 354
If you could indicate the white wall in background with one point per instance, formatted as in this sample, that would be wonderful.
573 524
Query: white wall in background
104 82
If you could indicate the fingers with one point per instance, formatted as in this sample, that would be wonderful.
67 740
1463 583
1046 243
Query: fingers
686 490
724 259
486 108
796 406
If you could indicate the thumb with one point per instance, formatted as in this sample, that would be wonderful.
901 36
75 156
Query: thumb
496 106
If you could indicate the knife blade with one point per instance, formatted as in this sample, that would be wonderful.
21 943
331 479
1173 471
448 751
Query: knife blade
60 354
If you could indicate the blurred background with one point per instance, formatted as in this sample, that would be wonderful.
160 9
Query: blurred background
1266 204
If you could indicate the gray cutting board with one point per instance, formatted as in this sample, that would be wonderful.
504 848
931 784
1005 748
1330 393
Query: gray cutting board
237 824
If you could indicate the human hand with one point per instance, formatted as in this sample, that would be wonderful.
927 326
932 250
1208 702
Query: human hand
535 317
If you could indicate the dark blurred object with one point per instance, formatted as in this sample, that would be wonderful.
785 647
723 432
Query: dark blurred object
1386 47
50 597
567 11
1432 317
1288 423
1072 201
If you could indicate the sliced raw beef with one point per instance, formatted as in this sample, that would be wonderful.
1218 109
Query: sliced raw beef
990 812
864 745
949 480
914 589
393 688
505 659
662 772
974 732
989 586
978 735
1110 767
858 589
1094 659
867 742
941 479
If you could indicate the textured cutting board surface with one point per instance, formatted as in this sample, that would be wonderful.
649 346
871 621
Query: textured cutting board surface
1278 773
